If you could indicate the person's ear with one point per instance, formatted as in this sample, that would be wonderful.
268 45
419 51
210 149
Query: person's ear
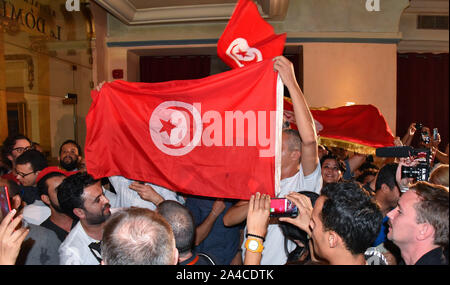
45 199
79 213
175 256
295 155
426 231
333 239
385 188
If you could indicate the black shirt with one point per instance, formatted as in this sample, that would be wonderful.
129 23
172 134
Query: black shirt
60 233
433 257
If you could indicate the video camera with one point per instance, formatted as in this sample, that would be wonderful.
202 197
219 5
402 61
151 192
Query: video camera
421 172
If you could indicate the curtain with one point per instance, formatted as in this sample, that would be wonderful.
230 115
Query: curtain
422 93
166 68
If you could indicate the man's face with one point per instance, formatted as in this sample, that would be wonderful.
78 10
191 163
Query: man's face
403 227
52 183
286 152
69 157
393 197
330 171
19 147
318 234
25 174
96 205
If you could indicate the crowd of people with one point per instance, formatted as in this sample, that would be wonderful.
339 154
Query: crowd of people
351 210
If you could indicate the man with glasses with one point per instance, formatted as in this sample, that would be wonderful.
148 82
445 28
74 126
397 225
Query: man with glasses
12 148
28 166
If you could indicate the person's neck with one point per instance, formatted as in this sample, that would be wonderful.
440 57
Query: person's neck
411 254
289 171
348 259
93 231
186 256
61 220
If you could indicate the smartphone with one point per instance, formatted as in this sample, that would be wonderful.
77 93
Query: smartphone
435 134
282 207
5 204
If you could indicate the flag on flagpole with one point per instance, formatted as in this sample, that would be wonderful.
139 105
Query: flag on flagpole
359 128
248 38
216 136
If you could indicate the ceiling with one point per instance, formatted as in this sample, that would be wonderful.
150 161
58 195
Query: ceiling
138 12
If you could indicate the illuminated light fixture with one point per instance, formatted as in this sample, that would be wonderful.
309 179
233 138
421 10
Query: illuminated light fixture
349 103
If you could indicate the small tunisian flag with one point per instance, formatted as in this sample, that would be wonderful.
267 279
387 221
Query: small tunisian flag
215 136
248 38
359 128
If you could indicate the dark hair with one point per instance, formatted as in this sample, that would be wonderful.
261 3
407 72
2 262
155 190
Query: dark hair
340 163
71 190
386 175
352 214
292 232
71 142
8 145
36 159
182 222
42 184
137 236
365 173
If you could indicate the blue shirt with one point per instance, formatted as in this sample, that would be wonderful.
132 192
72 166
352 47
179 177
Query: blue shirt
222 242
382 235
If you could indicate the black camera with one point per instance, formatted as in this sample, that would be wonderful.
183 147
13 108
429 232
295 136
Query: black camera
420 172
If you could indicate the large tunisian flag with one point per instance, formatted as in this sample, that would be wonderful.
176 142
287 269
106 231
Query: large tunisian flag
359 128
213 137
248 38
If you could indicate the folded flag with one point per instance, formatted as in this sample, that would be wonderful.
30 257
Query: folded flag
248 38
215 136
359 128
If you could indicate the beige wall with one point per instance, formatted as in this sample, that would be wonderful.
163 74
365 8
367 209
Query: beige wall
336 73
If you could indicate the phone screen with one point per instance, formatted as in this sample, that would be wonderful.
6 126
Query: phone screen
282 207
4 202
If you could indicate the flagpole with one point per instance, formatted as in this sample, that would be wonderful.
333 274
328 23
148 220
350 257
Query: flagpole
278 133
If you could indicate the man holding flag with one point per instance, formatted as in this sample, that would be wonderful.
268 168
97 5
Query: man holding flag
300 169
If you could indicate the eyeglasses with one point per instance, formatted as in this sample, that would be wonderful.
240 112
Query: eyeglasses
22 149
23 175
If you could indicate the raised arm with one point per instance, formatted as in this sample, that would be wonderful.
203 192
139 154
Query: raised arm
303 117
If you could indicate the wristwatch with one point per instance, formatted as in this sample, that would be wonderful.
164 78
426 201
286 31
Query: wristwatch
254 245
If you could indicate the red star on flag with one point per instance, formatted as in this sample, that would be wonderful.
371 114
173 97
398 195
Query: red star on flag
167 127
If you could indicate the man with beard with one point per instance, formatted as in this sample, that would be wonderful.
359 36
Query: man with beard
47 181
81 197
70 155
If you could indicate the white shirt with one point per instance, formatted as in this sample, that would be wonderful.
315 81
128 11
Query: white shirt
126 197
274 252
75 248
36 213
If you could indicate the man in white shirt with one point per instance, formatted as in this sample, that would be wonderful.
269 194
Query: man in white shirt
130 193
82 197
300 167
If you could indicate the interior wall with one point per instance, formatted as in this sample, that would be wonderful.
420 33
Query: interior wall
336 73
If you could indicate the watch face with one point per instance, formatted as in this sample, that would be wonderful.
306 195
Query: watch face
253 245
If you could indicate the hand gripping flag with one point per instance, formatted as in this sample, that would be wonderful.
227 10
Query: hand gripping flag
215 136
359 128
248 38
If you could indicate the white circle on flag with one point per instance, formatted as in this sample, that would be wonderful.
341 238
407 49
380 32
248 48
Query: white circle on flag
242 53
170 127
